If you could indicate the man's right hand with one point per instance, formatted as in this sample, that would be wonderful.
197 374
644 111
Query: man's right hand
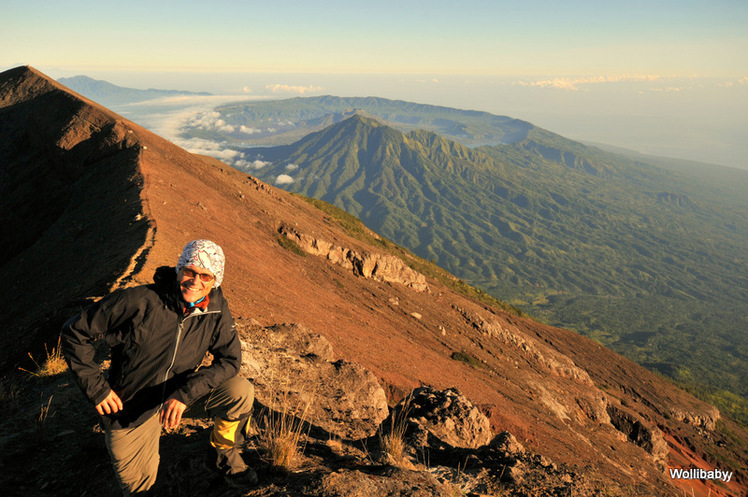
111 404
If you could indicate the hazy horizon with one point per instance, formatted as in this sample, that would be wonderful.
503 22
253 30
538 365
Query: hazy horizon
665 78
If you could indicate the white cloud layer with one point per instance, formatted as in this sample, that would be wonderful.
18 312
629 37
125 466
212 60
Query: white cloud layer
210 120
210 148
279 88
249 164
574 84
167 116
283 179
248 131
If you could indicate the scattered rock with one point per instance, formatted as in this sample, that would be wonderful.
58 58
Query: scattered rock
515 474
508 443
388 481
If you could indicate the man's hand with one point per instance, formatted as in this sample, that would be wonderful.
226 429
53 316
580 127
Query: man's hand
171 413
111 404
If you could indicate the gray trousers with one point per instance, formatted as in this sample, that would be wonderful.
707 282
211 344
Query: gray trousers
134 451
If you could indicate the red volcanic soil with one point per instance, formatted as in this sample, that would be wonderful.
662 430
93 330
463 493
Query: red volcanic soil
92 202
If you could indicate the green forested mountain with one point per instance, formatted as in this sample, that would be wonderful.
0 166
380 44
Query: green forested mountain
280 122
650 262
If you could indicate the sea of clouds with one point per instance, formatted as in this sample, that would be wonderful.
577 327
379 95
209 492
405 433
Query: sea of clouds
170 117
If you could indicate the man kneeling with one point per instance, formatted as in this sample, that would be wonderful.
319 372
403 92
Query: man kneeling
159 334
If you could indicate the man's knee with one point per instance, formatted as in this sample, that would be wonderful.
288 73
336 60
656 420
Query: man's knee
136 480
233 399
240 391
134 454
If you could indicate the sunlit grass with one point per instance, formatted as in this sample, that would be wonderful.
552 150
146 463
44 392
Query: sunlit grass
281 433
42 420
52 366
392 439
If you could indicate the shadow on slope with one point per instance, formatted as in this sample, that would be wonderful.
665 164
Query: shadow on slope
70 185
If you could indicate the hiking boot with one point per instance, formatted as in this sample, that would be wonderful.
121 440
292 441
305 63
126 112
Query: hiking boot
225 461
247 478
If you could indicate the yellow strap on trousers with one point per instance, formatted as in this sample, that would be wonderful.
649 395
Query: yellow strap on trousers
223 435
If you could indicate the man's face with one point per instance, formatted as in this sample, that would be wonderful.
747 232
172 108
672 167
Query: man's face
193 284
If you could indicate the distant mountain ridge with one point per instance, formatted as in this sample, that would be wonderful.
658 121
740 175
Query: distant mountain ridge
285 121
642 259
109 94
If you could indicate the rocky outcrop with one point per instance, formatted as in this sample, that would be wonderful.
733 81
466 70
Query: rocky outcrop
706 419
448 441
556 363
568 405
446 414
640 432
292 370
445 434
380 267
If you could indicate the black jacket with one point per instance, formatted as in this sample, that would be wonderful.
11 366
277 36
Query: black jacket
156 348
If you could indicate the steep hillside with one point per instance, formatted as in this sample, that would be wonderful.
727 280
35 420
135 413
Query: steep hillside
639 258
136 199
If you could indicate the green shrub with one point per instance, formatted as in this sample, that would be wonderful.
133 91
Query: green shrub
467 359
290 245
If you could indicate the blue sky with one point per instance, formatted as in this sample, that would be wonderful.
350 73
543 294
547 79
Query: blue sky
557 64
684 38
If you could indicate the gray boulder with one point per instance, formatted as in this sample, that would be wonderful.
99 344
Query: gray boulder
292 370
446 414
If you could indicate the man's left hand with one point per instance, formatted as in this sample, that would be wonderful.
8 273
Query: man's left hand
171 413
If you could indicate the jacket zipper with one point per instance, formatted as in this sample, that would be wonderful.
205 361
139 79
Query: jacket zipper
176 348
173 359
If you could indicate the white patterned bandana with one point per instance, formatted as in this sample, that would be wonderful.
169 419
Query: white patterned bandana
205 254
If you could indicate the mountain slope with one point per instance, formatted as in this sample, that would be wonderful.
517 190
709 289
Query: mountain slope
642 259
140 198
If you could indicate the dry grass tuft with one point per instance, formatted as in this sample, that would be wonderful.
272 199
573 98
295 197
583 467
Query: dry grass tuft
392 442
42 420
45 412
52 366
281 432
394 446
